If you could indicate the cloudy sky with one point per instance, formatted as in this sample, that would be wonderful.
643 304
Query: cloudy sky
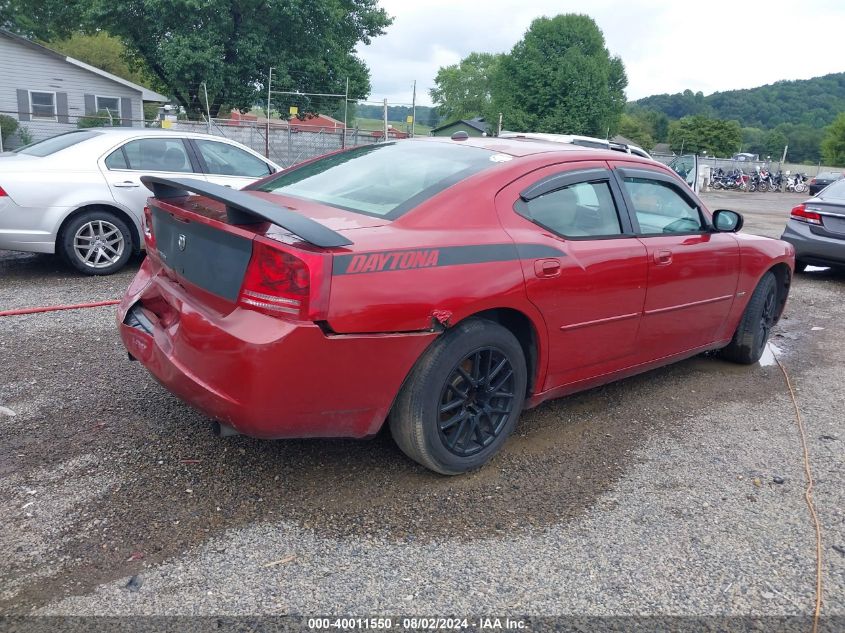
667 46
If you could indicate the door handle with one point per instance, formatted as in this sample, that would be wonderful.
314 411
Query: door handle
662 257
547 267
126 184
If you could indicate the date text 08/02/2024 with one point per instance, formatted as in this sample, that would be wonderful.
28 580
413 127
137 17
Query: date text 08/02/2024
417 623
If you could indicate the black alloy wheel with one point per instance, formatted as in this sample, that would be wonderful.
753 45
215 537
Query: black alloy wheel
476 402
755 326
462 399
767 317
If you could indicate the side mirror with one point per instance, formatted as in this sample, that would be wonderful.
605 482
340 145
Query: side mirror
727 221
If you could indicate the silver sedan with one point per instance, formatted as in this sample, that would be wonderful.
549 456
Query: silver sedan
80 195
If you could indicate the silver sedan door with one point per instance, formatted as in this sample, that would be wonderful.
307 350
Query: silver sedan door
159 156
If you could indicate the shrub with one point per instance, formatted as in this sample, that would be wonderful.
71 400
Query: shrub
101 119
8 126
24 135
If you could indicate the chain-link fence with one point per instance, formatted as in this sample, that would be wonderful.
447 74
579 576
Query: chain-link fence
285 143
750 166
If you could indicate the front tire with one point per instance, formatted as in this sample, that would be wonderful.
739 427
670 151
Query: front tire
462 399
756 323
96 242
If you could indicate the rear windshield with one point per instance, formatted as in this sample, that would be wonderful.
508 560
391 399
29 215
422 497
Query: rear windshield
836 191
55 144
383 180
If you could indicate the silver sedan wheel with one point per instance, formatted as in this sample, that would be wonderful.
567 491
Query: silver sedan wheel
98 243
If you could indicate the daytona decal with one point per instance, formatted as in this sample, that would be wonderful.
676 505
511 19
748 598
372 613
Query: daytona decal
385 261
396 260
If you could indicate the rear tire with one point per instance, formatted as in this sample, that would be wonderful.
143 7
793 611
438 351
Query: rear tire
752 334
462 399
96 242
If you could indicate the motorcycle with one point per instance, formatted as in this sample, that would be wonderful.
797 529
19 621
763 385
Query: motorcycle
796 183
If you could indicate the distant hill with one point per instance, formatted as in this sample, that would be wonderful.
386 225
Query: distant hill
814 102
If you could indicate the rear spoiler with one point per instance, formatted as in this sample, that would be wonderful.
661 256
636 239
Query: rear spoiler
243 208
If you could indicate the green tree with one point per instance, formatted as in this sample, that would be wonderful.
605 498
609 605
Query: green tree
753 140
105 52
775 142
42 19
637 130
814 102
463 90
560 78
699 133
833 144
228 46
804 142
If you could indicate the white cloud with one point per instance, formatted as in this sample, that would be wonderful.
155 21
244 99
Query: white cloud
666 46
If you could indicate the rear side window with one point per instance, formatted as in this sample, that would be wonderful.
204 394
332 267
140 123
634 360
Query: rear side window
383 180
56 144
153 154
835 191
116 160
581 210
661 209
227 160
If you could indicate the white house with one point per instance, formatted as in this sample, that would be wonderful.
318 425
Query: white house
47 91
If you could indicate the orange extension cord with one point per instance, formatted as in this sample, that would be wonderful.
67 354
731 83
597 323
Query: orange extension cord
808 497
76 306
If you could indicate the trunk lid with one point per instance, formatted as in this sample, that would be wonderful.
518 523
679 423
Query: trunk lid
255 250
832 215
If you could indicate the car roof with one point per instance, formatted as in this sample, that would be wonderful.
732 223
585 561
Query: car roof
126 132
576 139
522 146
104 139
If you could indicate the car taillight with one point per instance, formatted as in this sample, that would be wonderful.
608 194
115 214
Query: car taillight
801 214
812 181
281 284
3 193
147 226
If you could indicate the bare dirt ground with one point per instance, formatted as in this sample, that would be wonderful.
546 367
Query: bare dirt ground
677 492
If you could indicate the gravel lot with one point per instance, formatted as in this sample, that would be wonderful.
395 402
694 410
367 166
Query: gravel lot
654 495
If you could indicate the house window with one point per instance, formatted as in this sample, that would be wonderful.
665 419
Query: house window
110 105
42 105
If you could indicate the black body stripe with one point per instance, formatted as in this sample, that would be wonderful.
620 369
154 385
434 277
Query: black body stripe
406 259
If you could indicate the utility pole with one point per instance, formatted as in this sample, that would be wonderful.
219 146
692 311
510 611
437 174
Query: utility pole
414 109
385 119
267 135
499 128
207 108
345 112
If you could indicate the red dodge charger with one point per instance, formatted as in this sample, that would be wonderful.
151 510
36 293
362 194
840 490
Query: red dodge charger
441 285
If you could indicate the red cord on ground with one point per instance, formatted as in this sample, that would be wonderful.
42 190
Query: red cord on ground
76 306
